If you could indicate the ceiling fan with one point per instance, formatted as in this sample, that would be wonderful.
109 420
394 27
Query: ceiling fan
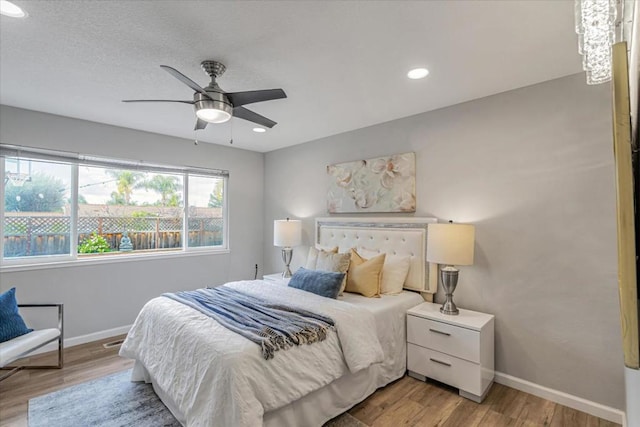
213 105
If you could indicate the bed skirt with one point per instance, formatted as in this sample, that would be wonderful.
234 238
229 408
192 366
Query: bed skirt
314 409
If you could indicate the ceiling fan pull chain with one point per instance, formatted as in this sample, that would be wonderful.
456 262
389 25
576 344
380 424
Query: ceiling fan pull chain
195 137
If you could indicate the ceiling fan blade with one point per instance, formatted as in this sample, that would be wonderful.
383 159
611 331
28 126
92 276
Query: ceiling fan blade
243 113
184 79
157 100
241 98
200 124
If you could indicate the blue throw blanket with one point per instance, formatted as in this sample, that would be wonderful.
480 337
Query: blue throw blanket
272 326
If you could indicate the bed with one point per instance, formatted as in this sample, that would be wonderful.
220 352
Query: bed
209 376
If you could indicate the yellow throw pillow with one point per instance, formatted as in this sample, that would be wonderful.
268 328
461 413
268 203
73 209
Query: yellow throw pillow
394 271
364 275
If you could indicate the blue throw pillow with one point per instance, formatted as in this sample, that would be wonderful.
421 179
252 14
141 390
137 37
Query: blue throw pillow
11 323
323 283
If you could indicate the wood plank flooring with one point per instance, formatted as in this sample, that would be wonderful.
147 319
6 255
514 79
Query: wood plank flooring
406 402
82 363
410 402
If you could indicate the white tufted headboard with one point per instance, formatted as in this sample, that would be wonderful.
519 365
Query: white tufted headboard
398 236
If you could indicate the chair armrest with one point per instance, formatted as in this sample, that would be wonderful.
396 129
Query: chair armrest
60 314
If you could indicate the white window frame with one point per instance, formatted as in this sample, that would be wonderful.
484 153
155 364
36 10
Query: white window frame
76 160
225 216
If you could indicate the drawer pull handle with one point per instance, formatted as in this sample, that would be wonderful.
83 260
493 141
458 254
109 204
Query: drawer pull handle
440 332
439 361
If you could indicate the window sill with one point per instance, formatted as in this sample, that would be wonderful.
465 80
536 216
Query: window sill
10 268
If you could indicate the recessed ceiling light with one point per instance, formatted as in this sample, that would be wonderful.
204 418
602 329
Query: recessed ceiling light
418 73
9 9
259 130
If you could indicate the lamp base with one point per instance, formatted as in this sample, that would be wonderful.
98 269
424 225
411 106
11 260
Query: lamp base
449 307
449 275
287 253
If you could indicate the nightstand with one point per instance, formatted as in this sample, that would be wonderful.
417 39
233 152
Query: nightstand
455 350
276 278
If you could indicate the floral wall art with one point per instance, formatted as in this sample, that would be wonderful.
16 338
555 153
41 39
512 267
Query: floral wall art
383 184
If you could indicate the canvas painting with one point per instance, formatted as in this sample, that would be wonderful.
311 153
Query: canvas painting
383 184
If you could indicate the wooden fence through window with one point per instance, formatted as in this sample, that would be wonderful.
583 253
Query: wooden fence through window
50 235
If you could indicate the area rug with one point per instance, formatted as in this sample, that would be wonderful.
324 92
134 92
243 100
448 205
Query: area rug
114 401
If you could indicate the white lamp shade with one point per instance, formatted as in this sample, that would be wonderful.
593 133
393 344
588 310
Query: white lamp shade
287 232
450 244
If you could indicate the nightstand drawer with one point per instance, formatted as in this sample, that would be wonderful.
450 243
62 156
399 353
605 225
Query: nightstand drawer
442 367
456 341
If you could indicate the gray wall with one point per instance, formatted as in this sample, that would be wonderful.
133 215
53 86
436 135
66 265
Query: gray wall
533 170
106 296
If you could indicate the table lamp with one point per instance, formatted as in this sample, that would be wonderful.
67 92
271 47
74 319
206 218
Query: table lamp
450 244
286 234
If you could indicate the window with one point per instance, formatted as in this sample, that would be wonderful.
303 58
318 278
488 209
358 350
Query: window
36 217
146 207
61 207
206 204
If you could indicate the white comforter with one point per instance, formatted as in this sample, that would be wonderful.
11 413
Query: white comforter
219 378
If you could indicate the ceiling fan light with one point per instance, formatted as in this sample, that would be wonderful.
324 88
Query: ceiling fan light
213 115
210 110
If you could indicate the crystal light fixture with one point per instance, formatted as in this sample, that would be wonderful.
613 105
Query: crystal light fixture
595 25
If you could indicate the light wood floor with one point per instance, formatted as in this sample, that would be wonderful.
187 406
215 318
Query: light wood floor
406 402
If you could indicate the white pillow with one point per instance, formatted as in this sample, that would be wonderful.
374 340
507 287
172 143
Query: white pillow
394 271
312 257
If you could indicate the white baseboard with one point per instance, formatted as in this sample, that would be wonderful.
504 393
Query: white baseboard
566 399
82 339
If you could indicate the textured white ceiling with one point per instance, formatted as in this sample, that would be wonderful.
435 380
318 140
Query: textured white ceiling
342 64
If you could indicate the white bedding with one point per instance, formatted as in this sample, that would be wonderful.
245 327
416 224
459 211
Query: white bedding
333 399
210 376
